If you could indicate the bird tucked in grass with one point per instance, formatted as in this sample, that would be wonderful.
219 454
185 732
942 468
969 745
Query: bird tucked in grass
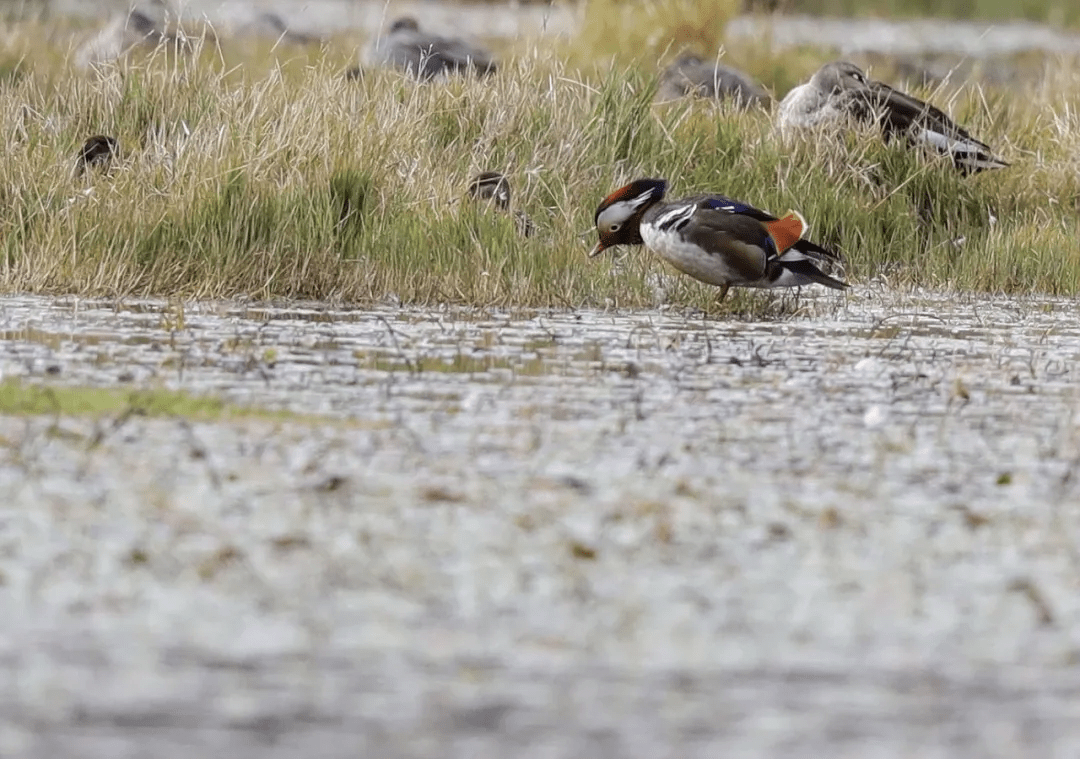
491 185
97 152
840 93
690 75
426 56
494 187
714 239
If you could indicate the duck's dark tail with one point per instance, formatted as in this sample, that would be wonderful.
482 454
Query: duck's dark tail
816 252
802 271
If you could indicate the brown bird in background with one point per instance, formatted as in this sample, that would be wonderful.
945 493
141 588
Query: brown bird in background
494 187
491 185
98 151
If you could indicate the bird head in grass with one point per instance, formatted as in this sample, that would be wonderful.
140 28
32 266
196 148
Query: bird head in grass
97 152
493 186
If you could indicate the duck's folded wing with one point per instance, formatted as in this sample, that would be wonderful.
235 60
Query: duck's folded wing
727 205
743 243
803 246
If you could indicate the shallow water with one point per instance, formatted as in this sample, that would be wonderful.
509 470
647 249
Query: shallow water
847 533
898 37
901 37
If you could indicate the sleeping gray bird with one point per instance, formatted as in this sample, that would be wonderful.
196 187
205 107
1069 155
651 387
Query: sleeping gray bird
426 56
840 93
691 75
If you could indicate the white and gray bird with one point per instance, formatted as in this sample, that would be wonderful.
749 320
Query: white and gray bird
690 75
839 94
426 56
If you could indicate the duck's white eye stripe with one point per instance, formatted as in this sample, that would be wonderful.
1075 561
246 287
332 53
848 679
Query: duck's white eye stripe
615 214
675 219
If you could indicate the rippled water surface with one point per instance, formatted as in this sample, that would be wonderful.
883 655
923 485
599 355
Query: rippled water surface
895 37
907 37
850 532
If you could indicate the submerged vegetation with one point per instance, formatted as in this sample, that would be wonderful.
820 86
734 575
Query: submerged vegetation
272 174
19 399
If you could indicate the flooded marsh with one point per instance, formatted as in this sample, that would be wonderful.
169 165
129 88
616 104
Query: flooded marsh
456 532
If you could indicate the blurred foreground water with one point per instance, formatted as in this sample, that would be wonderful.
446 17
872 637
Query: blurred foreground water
848 533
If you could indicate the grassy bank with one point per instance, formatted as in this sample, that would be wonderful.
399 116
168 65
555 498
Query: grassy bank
240 175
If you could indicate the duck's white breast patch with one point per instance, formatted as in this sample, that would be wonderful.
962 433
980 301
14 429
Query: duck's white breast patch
669 243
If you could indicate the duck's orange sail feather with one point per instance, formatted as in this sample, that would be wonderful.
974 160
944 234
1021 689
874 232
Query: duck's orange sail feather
787 231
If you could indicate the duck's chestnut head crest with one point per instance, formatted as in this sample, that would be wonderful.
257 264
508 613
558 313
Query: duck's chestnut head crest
618 217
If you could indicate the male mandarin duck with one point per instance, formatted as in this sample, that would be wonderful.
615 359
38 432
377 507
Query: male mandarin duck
713 239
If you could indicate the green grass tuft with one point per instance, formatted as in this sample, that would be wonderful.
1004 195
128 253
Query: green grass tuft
19 399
